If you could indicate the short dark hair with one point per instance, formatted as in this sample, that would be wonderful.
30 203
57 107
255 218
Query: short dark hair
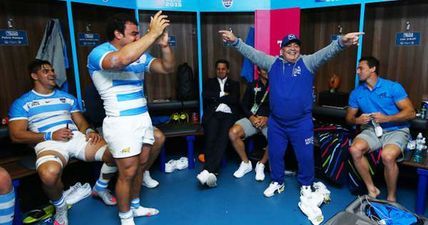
371 61
117 22
36 65
224 61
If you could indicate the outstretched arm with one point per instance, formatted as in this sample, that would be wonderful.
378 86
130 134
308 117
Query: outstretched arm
314 61
259 58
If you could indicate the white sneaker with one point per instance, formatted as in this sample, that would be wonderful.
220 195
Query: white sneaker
181 163
61 215
207 178
72 189
305 190
78 194
127 221
202 177
243 169
211 180
105 195
260 171
313 213
148 181
143 211
273 187
170 166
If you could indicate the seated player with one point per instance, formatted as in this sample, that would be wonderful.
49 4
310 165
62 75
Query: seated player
51 120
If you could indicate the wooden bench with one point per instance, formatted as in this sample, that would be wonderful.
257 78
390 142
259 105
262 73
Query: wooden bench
187 130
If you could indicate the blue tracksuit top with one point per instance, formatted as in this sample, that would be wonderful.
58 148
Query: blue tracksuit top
290 83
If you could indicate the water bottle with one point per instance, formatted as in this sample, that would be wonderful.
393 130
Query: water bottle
423 112
417 156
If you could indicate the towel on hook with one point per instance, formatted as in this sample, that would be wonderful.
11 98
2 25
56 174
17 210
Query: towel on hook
53 49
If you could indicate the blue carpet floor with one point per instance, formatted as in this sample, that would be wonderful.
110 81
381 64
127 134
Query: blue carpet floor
182 201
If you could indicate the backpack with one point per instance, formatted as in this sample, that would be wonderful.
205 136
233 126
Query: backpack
369 211
185 83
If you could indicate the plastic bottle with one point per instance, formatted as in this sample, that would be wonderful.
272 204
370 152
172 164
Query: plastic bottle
417 156
378 129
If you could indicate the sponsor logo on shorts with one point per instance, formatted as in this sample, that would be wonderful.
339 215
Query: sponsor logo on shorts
126 150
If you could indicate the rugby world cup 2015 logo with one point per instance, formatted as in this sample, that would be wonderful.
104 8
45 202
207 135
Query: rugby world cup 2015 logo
227 3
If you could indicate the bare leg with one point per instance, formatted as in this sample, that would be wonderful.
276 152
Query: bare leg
50 174
236 133
358 148
155 150
265 156
143 158
127 171
390 153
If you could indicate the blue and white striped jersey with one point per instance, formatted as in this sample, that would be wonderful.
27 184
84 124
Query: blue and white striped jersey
45 113
122 91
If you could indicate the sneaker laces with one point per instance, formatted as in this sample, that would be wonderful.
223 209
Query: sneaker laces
78 194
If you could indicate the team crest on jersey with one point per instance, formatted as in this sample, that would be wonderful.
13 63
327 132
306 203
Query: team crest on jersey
35 103
63 100
297 71
227 3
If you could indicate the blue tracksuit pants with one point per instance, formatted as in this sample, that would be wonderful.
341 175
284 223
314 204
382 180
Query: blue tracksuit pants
300 134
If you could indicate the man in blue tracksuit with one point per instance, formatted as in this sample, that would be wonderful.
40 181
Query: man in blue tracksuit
291 79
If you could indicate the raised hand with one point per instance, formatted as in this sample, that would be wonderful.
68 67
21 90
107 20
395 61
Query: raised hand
158 23
351 38
163 39
227 36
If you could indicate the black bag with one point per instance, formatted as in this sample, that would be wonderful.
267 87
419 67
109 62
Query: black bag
185 83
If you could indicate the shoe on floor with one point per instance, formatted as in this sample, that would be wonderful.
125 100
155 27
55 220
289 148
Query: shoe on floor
127 221
243 169
77 194
181 163
143 211
105 196
207 178
260 171
72 189
148 181
170 166
202 177
274 187
305 190
211 180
